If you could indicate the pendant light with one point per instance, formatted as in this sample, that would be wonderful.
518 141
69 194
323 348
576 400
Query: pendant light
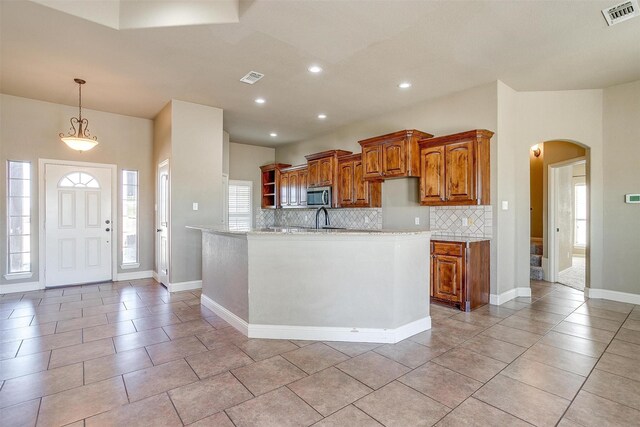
79 138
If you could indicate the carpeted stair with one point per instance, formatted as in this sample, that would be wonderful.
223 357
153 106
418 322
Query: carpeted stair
535 261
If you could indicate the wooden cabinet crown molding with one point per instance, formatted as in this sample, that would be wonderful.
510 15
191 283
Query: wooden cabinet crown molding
328 153
455 169
394 155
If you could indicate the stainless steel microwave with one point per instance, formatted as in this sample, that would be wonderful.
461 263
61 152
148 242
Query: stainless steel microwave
319 196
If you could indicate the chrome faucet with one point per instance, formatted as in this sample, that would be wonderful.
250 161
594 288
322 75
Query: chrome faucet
326 217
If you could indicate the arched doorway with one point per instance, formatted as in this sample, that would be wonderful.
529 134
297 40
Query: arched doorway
559 197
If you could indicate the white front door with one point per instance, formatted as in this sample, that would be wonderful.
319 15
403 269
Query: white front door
78 224
162 224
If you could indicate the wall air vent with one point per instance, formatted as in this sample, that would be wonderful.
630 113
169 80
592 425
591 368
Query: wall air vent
621 12
252 77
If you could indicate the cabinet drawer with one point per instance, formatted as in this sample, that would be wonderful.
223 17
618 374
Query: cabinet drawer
447 248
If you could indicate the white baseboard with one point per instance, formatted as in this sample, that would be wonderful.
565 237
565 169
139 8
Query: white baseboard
498 299
318 333
155 276
20 287
612 295
228 316
134 275
184 286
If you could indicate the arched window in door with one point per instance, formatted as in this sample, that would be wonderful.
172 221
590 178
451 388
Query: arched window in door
78 180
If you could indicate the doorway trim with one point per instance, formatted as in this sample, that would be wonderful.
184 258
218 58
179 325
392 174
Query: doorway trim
42 262
552 239
156 270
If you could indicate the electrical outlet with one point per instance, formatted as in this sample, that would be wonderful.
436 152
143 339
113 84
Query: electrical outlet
306 217
195 206
465 222
366 220
505 205
417 220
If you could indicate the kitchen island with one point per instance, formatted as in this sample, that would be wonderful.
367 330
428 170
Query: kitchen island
329 285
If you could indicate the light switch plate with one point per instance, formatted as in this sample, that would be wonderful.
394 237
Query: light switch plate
195 206
505 205
417 220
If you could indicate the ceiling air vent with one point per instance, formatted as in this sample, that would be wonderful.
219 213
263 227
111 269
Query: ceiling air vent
252 77
621 12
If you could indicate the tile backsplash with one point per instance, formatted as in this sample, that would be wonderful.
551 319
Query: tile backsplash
447 221
361 218
444 220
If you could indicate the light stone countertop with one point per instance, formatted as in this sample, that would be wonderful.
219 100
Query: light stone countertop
462 239
302 230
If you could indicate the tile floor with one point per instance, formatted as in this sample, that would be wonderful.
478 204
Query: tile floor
130 353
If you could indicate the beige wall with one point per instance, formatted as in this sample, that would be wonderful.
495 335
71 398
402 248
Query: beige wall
244 164
621 176
192 138
29 131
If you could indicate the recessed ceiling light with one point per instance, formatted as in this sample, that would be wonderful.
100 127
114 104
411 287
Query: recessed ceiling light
260 101
273 134
404 85
322 116
315 69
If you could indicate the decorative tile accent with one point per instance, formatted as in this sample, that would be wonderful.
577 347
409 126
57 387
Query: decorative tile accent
447 220
361 218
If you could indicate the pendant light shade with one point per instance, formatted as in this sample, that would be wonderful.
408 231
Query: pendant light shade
79 138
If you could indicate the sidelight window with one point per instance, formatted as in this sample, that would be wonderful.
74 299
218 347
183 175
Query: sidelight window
18 219
129 218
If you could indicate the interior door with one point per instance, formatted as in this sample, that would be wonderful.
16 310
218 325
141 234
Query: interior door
162 224
564 216
78 228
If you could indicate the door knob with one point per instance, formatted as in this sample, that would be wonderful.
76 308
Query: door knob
107 222
158 230
107 229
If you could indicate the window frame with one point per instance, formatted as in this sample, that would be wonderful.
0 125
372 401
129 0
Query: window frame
239 183
16 275
136 264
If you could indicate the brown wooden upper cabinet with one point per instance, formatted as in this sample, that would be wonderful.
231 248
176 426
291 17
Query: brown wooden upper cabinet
455 169
353 189
271 185
393 155
323 167
293 187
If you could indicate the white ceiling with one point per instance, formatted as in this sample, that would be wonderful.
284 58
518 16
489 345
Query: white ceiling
365 47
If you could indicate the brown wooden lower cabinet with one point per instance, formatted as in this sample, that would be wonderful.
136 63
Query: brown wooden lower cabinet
460 273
